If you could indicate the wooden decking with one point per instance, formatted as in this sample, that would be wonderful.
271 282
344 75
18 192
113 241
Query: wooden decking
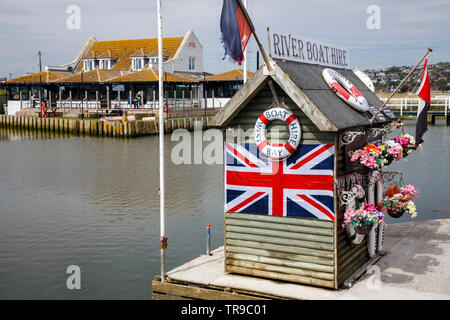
415 267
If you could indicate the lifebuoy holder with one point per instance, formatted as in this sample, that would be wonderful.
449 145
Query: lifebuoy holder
165 107
345 90
260 133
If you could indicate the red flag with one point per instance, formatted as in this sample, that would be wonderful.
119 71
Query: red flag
424 93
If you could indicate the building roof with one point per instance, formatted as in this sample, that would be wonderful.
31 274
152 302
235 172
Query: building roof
96 75
152 75
123 50
232 75
38 77
304 84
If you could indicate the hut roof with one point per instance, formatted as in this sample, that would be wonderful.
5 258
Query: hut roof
304 84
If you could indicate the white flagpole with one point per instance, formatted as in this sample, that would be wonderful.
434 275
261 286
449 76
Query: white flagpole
163 243
245 53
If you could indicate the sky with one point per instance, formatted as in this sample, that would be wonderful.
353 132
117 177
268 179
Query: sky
396 33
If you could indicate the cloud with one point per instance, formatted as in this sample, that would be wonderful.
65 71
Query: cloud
27 26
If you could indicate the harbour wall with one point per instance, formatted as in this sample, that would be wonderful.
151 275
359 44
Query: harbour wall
108 128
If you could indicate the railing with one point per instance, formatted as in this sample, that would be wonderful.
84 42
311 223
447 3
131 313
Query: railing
439 103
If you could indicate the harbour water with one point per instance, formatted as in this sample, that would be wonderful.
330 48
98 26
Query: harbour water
93 202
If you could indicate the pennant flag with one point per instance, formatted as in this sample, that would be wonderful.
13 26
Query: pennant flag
424 94
235 30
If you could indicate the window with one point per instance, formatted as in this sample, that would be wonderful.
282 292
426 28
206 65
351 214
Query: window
137 63
105 64
191 63
89 65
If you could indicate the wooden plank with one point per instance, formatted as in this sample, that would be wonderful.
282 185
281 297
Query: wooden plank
279 248
281 220
280 234
275 240
300 265
157 296
196 292
280 255
278 226
279 276
279 269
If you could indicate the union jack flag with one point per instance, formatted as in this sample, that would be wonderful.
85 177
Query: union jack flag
300 185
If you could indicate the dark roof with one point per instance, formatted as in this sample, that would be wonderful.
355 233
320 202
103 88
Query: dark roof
308 78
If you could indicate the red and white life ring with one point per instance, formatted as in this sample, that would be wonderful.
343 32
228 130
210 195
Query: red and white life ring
345 90
260 132
365 79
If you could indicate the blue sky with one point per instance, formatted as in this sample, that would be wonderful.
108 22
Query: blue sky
408 28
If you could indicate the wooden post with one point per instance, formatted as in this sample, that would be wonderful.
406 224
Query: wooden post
182 97
175 97
96 100
401 106
130 100
212 96
29 99
154 99
190 98
70 99
108 102
20 98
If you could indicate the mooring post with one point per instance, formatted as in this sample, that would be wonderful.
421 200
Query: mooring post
208 239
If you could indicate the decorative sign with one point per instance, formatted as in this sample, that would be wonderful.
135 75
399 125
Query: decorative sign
298 186
301 49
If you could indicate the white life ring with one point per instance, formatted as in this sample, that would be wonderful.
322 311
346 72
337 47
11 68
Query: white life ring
365 79
348 93
375 239
277 152
354 237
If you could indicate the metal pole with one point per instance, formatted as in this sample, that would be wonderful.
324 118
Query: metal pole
245 54
163 241
208 239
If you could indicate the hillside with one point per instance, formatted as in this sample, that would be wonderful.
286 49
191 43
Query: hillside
389 78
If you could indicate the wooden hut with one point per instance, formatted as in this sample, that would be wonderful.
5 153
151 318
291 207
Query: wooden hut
268 233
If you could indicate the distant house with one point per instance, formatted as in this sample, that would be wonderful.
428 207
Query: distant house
117 70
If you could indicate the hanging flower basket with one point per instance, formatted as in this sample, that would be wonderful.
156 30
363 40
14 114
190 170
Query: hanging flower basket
365 229
400 201
361 169
395 213
363 219
366 159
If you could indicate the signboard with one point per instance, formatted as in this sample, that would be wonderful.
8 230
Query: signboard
119 87
301 49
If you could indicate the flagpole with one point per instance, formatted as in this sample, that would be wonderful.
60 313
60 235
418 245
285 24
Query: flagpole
252 28
245 54
163 241
401 84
